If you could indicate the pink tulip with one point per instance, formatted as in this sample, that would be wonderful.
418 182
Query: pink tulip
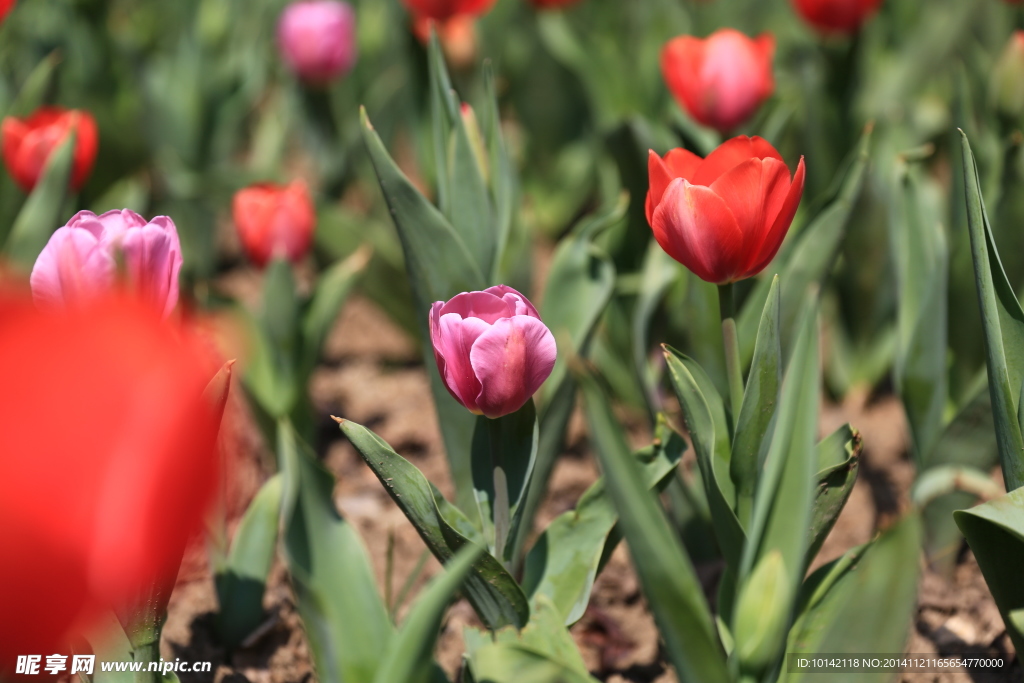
318 39
84 258
492 350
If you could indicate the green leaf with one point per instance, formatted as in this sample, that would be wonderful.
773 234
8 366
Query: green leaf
566 558
840 603
272 375
704 429
242 581
995 532
919 245
673 591
1003 324
503 177
658 273
409 652
33 90
439 266
494 594
110 643
834 482
759 399
345 620
42 213
504 453
806 258
785 490
762 613
514 662
332 289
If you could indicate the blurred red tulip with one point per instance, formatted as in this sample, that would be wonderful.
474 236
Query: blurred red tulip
836 16
723 217
552 4
28 143
442 10
457 36
721 80
275 220
5 7
108 449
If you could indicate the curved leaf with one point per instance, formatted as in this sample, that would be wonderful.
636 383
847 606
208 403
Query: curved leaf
834 483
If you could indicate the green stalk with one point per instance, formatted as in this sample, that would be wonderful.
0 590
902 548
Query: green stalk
731 342
502 518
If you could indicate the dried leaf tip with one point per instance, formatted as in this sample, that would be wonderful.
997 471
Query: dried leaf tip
337 419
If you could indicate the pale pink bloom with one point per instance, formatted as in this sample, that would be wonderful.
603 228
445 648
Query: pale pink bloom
318 39
492 350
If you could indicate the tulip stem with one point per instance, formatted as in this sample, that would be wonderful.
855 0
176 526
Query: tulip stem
731 342
501 504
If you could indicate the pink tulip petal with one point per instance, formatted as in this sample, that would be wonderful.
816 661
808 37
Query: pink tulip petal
511 360
483 305
153 260
71 268
516 302
456 336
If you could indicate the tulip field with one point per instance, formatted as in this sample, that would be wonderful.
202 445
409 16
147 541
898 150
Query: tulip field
511 341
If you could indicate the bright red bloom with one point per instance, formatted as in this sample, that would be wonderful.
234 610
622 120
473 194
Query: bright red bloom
721 80
836 16
442 10
552 4
28 143
275 220
108 454
5 7
723 217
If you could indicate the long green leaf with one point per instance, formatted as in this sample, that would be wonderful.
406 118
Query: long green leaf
440 266
704 430
41 214
673 591
409 653
759 399
345 620
1003 324
33 90
834 482
492 591
332 289
566 558
241 584
995 532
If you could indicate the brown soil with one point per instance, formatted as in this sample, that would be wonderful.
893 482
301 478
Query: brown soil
373 376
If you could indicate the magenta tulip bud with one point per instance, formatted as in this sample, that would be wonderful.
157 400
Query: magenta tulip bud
492 350
318 39
93 254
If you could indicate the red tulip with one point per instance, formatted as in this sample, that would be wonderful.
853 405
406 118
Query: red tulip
275 220
442 10
836 16
722 80
723 217
28 143
5 7
552 4
108 452
457 36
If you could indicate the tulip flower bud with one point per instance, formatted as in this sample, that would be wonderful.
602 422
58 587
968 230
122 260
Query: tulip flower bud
275 220
104 416
723 217
722 80
318 39
1007 90
762 613
28 143
836 16
443 10
81 260
491 348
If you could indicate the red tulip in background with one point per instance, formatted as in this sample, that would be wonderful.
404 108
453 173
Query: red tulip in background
836 16
721 80
442 10
5 7
108 450
28 143
552 4
274 220
723 217
491 348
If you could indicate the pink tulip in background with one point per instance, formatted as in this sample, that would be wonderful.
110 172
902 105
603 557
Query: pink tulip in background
492 350
83 258
318 39
721 80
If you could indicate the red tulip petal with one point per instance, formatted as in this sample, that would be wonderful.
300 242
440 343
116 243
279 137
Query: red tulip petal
678 163
511 360
754 191
732 153
697 228
681 59
773 240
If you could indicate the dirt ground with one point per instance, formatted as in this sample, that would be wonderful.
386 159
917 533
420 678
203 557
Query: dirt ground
617 635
